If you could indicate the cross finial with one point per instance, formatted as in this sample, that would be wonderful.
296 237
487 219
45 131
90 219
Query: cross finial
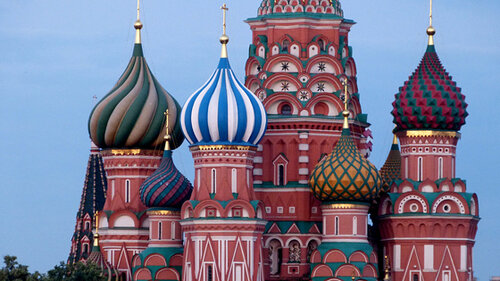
430 30
167 134
224 39
138 24
224 9
345 113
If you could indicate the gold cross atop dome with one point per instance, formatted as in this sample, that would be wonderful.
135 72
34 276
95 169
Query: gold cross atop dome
138 24
345 113
430 30
167 134
224 39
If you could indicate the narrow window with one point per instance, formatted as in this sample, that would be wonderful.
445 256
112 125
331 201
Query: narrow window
234 181
406 167
354 226
415 277
159 230
198 175
453 167
85 248
286 44
214 181
87 225
420 169
210 274
336 225
440 167
172 230
321 44
127 191
281 174
112 189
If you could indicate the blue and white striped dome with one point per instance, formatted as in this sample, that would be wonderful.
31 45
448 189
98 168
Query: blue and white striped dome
223 111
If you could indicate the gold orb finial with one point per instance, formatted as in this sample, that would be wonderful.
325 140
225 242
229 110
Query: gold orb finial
167 137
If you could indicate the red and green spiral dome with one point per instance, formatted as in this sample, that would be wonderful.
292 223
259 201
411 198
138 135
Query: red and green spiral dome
430 99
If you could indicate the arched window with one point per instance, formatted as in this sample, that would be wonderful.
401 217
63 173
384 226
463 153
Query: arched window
234 181
336 225
85 249
214 181
281 174
172 230
286 45
160 226
321 44
127 191
420 169
286 109
416 277
87 225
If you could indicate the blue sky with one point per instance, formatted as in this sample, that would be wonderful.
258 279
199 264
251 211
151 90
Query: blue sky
57 54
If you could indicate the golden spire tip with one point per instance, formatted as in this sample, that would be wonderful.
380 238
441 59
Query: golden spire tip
224 39
395 139
430 30
138 24
345 113
167 133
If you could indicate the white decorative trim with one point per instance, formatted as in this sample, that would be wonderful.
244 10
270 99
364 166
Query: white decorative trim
304 159
303 147
303 171
412 197
449 197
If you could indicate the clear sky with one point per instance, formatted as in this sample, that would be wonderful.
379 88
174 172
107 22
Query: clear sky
55 55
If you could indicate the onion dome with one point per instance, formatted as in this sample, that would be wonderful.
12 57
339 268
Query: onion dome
131 114
223 111
300 7
345 175
166 187
430 99
392 166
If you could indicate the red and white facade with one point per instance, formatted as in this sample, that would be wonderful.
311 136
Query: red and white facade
429 223
124 224
222 223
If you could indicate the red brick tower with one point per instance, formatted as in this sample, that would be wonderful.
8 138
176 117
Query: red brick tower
223 222
299 54
428 221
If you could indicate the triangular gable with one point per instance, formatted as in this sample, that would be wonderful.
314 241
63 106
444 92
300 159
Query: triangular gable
209 257
123 261
239 256
314 229
447 260
274 229
293 229
413 260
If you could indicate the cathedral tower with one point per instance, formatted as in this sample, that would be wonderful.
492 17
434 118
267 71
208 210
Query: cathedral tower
346 183
298 56
223 221
128 125
428 221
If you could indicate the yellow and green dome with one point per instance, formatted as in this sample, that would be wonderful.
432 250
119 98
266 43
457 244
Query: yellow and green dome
345 175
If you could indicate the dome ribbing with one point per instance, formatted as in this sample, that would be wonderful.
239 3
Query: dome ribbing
131 114
223 112
345 175
430 99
